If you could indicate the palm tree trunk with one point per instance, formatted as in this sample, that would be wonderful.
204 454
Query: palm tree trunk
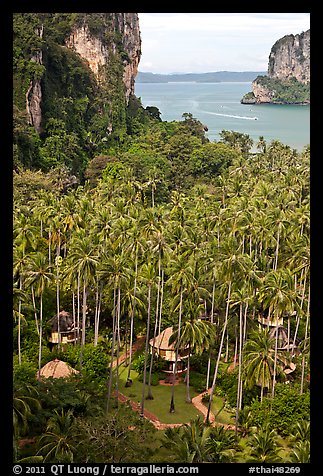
83 323
34 305
146 352
209 359
298 316
219 354
73 313
40 334
305 338
235 346
112 349
188 396
128 382
275 359
239 392
161 306
150 395
19 325
277 249
172 402
118 344
227 347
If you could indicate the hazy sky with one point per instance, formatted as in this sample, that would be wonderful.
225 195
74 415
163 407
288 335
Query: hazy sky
203 42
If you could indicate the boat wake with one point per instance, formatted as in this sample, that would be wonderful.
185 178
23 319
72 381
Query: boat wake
247 118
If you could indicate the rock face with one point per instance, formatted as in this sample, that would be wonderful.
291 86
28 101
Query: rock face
108 44
34 92
288 79
96 51
290 58
262 93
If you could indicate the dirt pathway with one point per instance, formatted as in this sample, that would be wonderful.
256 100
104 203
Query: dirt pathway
196 401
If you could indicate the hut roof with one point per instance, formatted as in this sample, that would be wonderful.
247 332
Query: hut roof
65 322
161 341
283 341
57 369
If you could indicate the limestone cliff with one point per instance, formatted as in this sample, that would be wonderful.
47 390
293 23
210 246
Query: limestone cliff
96 49
290 58
62 57
288 78
34 92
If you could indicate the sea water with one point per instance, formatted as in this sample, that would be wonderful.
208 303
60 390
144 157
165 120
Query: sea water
218 106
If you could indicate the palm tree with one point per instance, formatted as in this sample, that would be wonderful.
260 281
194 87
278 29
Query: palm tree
148 276
56 443
264 448
196 336
301 452
221 445
24 232
259 360
39 276
20 262
233 265
25 402
278 295
114 270
134 246
189 442
181 278
84 258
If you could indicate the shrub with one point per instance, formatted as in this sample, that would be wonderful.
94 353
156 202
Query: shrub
26 372
283 410
197 381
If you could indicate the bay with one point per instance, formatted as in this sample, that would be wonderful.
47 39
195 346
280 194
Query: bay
217 105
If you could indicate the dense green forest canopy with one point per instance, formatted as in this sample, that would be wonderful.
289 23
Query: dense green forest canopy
237 244
143 228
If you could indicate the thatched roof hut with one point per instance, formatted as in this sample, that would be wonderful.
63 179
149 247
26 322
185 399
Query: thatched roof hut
68 333
162 340
285 342
167 351
57 369
65 322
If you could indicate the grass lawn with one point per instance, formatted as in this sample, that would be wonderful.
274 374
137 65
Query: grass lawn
224 416
159 406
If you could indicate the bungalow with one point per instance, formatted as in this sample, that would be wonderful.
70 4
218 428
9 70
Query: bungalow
167 351
67 333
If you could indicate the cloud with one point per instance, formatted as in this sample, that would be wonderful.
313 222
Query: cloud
177 41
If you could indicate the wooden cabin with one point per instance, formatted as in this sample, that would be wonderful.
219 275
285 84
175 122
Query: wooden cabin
68 332
167 351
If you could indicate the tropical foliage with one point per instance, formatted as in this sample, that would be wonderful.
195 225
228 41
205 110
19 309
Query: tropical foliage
148 228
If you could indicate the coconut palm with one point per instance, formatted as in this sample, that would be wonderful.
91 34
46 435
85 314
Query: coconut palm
189 442
196 336
221 445
38 275
233 264
259 360
135 246
84 259
113 270
25 232
278 295
148 277
301 452
181 278
20 263
25 403
56 443
264 447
